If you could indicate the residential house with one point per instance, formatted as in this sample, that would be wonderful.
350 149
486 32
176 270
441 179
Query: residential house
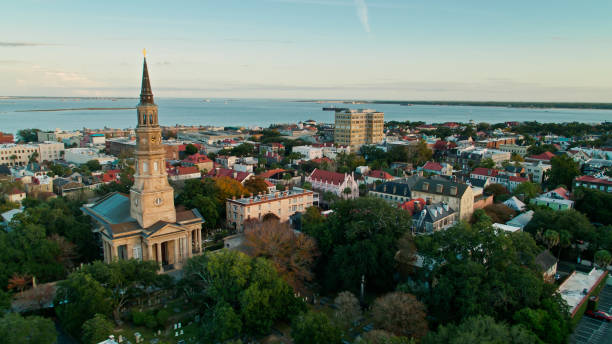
536 170
521 220
279 204
557 199
602 183
458 196
377 175
395 191
179 173
548 263
431 167
544 157
201 161
433 218
219 172
15 196
341 184
308 152
226 161
515 204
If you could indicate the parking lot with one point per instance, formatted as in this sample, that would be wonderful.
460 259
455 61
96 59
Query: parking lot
593 331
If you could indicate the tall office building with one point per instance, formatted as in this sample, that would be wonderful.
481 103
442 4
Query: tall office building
358 127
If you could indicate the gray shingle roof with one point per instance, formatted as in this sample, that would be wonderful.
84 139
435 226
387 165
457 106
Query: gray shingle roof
440 187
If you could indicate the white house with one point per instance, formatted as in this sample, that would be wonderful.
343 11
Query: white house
308 152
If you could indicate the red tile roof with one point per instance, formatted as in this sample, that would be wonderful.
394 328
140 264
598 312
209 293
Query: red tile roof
380 175
183 170
322 160
327 176
197 158
413 205
111 175
591 179
518 179
270 173
224 172
561 192
546 156
16 191
481 171
432 166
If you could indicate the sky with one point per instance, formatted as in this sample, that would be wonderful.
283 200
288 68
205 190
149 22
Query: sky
516 50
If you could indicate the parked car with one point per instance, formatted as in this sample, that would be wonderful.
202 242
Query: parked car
601 315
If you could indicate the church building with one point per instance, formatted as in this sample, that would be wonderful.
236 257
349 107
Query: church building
145 224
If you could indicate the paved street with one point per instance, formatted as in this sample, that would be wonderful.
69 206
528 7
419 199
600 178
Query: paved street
592 331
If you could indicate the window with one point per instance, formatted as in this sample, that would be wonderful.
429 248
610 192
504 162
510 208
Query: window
145 167
137 252
155 166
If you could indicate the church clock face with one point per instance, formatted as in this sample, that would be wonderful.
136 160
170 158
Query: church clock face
159 201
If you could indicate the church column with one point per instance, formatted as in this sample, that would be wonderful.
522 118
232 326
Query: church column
115 254
149 251
190 243
106 251
128 251
199 240
159 257
176 252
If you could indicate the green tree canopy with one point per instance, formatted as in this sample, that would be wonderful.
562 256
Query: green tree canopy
190 149
28 135
595 204
563 171
97 329
479 270
78 299
483 330
253 289
26 330
359 238
315 328
528 189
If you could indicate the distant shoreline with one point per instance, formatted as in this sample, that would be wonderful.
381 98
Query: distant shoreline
77 109
532 105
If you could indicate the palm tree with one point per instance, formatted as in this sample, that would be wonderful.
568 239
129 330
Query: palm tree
19 282
565 240
33 158
550 238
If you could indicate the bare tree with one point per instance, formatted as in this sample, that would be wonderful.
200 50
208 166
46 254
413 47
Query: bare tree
291 252
401 314
67 251
348 310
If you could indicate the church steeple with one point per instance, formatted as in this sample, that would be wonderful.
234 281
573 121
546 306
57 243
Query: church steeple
146 94
151 196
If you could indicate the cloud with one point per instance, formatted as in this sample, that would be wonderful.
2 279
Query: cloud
20 44
362 14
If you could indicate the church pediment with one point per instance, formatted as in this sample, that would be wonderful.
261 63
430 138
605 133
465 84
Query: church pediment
161 229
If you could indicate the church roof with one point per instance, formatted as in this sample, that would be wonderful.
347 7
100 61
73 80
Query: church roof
114 208
146 94
113 212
